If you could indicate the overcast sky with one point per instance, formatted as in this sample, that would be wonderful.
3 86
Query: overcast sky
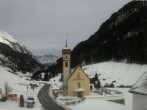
43 25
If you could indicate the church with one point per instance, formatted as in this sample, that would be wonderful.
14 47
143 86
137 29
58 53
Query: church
75 82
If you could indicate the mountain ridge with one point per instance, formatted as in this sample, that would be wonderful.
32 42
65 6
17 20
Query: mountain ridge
118 38
15 56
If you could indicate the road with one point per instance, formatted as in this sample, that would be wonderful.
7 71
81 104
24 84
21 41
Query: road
46 101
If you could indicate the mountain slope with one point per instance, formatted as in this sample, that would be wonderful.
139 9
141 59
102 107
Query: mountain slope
47 59
123 37
15 56
123 73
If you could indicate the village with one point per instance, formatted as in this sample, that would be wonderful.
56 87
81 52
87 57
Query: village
79 55
75 89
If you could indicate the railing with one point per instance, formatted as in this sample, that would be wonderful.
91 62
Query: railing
50 93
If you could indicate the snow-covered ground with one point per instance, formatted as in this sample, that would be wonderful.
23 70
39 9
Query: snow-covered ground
122 73
94 103
126 74
19 86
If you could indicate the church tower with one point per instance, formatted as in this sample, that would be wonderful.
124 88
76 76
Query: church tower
66 52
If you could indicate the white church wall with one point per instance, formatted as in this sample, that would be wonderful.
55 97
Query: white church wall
139 102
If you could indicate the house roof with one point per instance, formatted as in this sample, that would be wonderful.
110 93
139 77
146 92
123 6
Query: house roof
74 72
140 87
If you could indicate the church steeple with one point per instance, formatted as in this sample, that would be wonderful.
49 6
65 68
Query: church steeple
66 52
66 43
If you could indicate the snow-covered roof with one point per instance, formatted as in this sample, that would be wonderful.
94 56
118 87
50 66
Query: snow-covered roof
141 85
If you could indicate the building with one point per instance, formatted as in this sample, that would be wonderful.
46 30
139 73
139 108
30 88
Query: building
76 83
66 52
139 91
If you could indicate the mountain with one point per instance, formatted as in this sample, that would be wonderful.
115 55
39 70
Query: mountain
123 37
15 56
47 59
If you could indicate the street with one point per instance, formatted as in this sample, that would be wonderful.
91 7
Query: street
46 101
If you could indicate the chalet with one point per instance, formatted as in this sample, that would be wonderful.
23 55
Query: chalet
139 91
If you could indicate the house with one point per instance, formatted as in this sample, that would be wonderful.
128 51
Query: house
139 91
76 83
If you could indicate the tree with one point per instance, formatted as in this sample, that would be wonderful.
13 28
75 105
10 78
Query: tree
46 77
96 77
97 82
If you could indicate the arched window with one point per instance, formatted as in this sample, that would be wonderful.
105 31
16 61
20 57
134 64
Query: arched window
79 85
66 57
66 64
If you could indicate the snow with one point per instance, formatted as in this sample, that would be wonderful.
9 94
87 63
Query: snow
19 86
141 85
108 70
93 103
47 59
4 37
122 73
13 43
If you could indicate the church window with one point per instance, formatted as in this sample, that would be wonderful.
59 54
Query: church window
66 57
79 85
66 64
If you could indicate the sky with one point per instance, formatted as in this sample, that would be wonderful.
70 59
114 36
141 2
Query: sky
43 25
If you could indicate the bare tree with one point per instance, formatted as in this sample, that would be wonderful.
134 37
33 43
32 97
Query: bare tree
8 89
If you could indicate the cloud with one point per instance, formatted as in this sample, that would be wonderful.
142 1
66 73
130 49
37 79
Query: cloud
43 25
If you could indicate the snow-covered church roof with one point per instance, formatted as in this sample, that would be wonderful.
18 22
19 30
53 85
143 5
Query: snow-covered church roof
141 85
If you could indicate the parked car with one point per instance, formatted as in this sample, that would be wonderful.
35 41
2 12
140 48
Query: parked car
30 101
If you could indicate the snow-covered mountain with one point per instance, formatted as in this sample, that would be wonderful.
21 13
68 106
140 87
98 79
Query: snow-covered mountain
15 56
47 59
13 43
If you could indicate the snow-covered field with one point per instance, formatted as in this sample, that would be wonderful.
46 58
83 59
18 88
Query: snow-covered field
126 74
122 73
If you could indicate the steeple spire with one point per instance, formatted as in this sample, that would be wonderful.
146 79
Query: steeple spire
66 43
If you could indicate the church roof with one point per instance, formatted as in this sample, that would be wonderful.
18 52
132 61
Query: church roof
141 85
74 72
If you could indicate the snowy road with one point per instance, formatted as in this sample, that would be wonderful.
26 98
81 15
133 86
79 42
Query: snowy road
46 101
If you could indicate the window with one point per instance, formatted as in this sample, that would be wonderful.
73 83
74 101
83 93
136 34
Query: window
66 64
79 85
66 57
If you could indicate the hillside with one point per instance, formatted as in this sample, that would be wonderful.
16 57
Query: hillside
123 73
15 56
123 37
